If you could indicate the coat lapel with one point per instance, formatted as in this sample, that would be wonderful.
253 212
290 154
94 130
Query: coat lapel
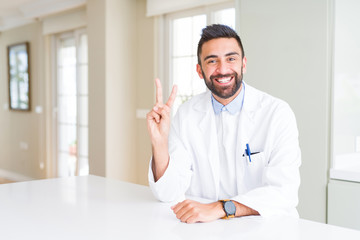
245 131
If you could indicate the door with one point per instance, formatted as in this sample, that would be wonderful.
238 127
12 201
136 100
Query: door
71 104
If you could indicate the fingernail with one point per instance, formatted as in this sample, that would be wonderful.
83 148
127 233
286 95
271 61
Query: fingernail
156 108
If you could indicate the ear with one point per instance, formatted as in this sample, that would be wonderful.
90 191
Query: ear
198 70
244 64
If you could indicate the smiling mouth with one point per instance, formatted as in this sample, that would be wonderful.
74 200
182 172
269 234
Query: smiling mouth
223 79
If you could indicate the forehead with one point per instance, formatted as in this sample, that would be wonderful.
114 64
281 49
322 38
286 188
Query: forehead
220 47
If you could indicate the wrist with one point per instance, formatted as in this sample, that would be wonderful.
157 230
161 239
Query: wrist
218 209
242 210
161 154
160 162
159 146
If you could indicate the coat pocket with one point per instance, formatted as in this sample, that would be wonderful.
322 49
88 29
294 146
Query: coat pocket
254 170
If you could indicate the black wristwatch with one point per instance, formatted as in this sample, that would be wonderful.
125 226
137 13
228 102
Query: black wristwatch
229 208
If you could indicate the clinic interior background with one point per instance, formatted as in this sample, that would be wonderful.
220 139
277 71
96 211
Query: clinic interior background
289 45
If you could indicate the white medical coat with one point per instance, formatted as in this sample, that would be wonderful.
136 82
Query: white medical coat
268 184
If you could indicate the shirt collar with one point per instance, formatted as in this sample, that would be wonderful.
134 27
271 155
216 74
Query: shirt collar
233 107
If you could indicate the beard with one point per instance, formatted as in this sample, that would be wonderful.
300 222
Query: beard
226 91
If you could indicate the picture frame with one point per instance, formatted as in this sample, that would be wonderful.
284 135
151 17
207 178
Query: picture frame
19 76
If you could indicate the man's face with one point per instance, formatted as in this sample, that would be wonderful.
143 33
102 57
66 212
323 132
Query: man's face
222 68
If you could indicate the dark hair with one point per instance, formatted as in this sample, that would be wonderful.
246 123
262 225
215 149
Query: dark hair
217 31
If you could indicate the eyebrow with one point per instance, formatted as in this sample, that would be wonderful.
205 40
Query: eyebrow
210 56
226 55
232 53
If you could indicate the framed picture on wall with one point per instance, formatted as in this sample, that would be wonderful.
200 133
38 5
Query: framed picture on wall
19 76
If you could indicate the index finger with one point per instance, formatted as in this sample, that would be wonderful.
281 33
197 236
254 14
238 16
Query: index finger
172 97
159 98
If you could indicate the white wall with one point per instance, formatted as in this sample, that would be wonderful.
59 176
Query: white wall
97 86
121 68
113 67
287 46
145 86
23 127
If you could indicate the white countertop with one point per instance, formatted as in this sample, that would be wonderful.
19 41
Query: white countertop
346 167
98 208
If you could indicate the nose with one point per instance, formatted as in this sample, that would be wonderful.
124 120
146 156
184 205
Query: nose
222 67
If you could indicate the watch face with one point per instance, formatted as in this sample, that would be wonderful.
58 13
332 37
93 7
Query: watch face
229 207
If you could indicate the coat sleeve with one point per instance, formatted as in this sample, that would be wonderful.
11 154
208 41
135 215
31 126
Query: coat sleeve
176 179
278 193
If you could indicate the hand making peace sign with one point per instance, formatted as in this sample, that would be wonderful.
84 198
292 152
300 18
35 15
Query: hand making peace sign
158 119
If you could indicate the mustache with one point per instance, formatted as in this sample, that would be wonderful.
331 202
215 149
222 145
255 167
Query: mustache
212 77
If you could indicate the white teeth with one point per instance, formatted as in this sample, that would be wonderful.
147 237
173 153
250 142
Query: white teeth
223 80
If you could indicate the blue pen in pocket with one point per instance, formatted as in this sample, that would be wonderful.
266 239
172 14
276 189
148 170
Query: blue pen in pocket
248 152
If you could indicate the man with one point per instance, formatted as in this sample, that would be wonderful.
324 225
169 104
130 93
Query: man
234 145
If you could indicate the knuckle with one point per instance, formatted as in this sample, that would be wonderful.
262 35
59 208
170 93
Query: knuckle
167 108
187 205
163 112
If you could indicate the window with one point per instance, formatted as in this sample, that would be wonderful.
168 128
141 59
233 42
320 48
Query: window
183 32
71 104
346 92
